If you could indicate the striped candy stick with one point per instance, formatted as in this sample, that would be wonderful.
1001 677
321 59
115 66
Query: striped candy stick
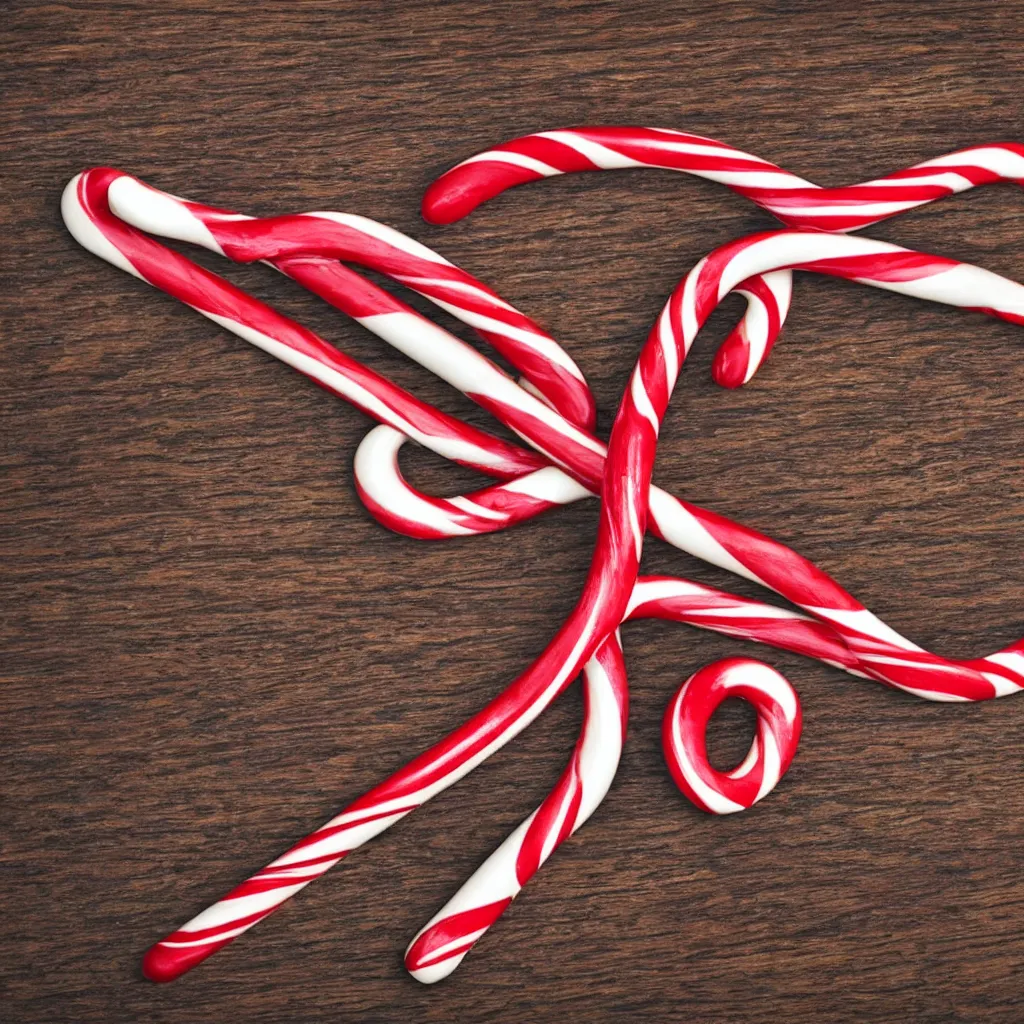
439 947
599 592
550 371
87 214
442 944
795 201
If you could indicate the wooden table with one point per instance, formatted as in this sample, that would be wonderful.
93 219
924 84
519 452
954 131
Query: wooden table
207 645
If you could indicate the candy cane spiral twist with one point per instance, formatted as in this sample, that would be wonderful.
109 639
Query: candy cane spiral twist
574 465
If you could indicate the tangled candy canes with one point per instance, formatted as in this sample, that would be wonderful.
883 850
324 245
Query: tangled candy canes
307 248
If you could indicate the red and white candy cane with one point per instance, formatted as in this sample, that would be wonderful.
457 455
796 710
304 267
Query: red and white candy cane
290 242
795 201
90 218
444 941
276 874
778 715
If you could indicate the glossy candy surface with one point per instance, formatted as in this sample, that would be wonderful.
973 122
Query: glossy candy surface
551 409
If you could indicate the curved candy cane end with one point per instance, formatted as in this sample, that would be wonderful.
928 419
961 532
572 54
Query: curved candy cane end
441 946
163 963
779 721
731 366
461 190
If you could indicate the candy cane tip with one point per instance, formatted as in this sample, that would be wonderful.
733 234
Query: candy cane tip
433 973
163 963
442 205
157 212
729 368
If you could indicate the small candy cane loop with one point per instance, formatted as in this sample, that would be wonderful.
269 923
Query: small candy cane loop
748 345
399 506
684 728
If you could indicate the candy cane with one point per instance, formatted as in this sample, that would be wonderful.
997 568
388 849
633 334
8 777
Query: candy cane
441 945
264 881
88 215
795 201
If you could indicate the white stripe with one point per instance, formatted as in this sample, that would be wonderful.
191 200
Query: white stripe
863 621
229 911
462 286
751 611
754 330
765 679
154 211
1003 686
549 484
878 209
541 343
668 348
792 248
500 156
944 179
605 158
993 158
455 362
712 799
642 401
754 179
746 766
228 933
477 510
1013 660
962 285
382 232
771 766
689 304
347 839
680 527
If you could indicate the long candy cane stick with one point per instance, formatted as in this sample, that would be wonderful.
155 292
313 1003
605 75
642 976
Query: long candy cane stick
439 947
795 201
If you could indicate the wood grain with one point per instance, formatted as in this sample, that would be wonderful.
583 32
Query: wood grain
207 646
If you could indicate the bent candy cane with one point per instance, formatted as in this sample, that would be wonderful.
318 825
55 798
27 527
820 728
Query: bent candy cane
89 217
795 201
526 684
87 211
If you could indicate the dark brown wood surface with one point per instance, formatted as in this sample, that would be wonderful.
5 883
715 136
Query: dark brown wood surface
207 646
